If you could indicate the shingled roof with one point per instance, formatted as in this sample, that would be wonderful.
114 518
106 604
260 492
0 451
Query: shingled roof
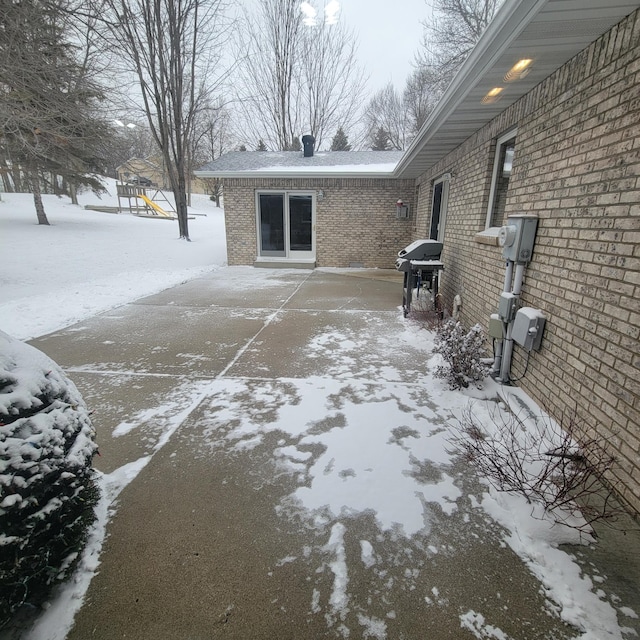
258 164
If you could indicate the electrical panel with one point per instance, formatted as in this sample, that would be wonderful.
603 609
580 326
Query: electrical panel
528 328
507 306
517 237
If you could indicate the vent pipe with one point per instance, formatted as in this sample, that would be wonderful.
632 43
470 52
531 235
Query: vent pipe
307 144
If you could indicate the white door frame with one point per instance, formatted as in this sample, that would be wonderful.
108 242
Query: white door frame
444 180
288 254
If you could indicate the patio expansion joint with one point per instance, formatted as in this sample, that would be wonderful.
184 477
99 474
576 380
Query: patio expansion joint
268 320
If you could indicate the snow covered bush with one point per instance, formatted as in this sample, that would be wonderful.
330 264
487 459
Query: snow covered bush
462 354
47 489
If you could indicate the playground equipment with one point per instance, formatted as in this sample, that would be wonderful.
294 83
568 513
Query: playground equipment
148 207
157 208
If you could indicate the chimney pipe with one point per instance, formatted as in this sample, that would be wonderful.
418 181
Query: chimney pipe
307 143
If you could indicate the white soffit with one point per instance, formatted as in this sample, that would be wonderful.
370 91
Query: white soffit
549 31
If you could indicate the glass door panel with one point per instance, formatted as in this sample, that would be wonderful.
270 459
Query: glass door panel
272 225
300 223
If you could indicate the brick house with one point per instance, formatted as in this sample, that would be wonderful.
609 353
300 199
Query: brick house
560 139
153 168
340 207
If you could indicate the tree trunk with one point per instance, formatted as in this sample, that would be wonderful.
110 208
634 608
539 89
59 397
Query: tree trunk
8 187
17 178
181 207
37 197
73 193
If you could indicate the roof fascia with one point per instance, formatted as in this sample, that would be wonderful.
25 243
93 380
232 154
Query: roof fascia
291 174
506 26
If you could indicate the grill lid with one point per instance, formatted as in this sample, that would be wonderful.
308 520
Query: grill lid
422 250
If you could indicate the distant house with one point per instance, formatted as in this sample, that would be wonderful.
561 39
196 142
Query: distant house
141 168
558 139
153 168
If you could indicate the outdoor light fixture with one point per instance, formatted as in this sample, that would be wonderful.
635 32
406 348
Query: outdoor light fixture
519 70
492 96
402 210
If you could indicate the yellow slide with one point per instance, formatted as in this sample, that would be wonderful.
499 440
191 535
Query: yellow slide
159 210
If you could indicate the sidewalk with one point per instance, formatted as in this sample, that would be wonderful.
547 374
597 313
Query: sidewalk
294 482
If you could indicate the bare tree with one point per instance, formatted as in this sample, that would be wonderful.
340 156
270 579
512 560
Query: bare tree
212 138
299 74
270 43
456 28
420 96
132 139
386 111
173 48
332 79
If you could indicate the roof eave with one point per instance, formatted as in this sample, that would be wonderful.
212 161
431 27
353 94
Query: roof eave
294 174
502 30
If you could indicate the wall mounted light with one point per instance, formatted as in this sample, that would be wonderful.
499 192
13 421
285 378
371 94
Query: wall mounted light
492 96
320 195
519 70
402 210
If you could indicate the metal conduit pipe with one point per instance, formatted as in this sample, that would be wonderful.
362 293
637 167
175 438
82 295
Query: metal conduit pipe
497 358
507 350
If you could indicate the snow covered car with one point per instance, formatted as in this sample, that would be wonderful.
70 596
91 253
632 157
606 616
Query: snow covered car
47 487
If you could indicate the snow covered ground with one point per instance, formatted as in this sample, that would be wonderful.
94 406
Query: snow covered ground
88 262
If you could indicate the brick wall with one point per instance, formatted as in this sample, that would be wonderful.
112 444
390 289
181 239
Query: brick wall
355 220
577 167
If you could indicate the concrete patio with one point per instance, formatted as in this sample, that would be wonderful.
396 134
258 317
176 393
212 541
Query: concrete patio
207 541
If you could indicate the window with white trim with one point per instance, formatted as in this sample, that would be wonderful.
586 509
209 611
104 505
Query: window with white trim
502 164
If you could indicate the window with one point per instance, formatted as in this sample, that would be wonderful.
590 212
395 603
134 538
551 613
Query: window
505 151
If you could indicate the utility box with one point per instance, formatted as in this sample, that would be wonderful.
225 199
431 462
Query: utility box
507 306
528 328
496 327
517 237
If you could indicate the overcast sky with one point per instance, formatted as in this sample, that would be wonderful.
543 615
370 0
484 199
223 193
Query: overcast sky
389 33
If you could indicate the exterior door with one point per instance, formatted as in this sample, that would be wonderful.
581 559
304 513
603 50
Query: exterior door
439 208
286 225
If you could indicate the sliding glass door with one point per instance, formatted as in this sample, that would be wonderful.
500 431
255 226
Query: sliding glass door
286 225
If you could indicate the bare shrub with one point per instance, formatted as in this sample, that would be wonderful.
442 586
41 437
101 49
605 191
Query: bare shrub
462 352
548 463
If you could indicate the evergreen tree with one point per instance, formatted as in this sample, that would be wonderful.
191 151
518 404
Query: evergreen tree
48 101
340 141
381 140
261 146
295 145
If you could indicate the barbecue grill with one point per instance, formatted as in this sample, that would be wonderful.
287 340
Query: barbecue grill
420 263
